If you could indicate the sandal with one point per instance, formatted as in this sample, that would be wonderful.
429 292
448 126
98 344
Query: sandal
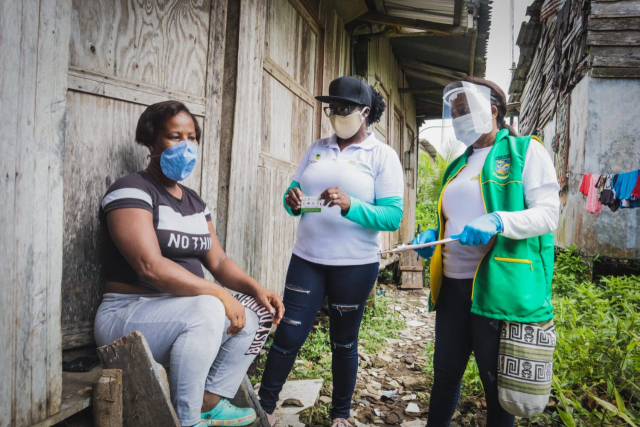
225 414
340 422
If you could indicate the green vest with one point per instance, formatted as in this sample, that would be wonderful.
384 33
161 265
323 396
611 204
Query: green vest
513 280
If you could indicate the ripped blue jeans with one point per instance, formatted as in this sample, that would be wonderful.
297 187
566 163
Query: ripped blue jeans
307 284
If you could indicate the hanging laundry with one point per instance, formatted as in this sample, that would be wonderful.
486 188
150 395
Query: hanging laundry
625 184
593 205
600 185
586 183
633 202
636 190
608 197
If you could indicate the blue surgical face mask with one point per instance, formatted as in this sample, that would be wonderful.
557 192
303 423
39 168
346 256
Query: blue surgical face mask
178 161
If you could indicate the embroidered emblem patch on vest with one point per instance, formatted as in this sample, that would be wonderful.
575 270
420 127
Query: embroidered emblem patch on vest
502 167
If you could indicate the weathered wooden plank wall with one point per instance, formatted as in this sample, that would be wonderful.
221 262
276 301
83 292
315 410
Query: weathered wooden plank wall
614 38
559 62
34 45
124 57
396 127
305 47
600 36
242 232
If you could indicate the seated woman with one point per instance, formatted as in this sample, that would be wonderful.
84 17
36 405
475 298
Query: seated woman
158 235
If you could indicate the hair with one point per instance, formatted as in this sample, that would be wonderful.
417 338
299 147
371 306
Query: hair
377 107
498 100
153 119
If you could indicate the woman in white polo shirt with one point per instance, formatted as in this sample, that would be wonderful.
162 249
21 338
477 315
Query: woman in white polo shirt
360 182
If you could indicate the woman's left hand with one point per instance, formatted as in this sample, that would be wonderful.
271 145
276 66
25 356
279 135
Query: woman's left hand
272 302
480 230
335 196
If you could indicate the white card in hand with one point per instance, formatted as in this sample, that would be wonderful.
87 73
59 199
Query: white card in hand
311 204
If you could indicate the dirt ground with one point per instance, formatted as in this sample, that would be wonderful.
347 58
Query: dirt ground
392 388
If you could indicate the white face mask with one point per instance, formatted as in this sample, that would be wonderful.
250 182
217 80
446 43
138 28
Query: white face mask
347 126
465 129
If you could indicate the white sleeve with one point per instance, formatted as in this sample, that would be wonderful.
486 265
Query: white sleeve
303 163
541 189
389 181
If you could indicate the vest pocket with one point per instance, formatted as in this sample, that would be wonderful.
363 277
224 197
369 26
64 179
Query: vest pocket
515 260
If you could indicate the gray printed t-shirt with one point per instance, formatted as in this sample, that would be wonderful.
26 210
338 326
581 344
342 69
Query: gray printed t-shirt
180 225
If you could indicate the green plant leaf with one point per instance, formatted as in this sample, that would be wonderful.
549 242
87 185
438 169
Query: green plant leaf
566 418
609 407
619 401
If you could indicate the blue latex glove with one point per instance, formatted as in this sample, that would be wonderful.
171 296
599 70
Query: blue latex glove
425 237
480 230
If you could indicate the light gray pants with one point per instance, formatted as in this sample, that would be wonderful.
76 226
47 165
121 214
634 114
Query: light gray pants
188 334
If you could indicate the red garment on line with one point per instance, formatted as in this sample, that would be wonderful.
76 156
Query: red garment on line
636 189
586 183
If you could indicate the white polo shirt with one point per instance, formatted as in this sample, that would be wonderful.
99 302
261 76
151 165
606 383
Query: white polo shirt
369 171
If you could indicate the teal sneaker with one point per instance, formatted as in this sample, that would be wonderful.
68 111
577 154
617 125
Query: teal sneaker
225 414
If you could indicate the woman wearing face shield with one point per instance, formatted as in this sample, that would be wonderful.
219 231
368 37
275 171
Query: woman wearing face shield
360 183
500 199
158 236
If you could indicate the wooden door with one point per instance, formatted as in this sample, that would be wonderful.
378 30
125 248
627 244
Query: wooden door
34 47
276 119
125 56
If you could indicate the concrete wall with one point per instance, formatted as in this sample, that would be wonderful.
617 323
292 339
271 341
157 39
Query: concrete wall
604 134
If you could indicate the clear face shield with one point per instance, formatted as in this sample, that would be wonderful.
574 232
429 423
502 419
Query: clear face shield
466 113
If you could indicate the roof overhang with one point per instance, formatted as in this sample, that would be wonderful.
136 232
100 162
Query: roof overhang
435 42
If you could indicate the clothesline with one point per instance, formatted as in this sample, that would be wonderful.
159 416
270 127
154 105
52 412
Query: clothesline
591 173
620 190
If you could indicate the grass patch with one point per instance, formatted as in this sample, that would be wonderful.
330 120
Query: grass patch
597 357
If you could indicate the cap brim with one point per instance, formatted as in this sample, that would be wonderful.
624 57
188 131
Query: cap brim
327 99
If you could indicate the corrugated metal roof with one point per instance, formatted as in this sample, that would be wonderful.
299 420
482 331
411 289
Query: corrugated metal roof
439 11
529 33
439 50
448 52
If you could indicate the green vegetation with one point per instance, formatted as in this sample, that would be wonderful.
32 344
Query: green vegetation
430 176
597 357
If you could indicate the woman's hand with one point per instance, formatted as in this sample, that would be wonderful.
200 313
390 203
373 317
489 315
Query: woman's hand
235 313
335 196
272 302
480 230
425 237
294 198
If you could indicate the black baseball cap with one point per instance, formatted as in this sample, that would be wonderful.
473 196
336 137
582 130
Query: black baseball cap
350 89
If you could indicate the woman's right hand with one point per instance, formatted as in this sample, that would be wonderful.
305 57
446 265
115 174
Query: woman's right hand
425 237
294 198
234 311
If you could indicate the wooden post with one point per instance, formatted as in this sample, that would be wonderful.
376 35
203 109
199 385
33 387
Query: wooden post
371 299
107 399
34 47
411 270
145 395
